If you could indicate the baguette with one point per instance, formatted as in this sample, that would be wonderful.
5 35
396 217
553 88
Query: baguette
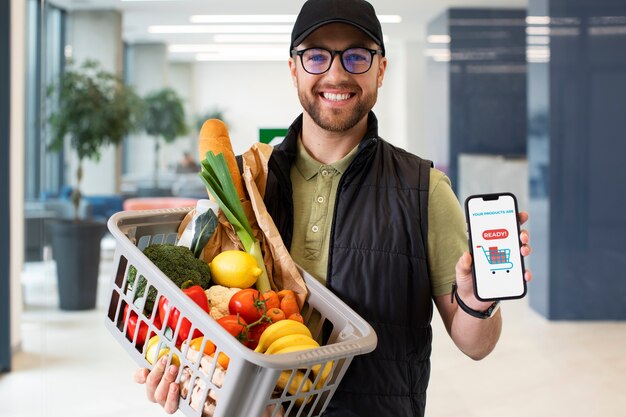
214 137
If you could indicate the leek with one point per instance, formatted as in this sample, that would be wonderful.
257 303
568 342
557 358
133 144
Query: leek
217 178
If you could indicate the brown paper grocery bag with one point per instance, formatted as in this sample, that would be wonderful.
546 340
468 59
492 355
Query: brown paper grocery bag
281 269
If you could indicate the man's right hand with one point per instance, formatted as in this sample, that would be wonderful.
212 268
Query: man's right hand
161 387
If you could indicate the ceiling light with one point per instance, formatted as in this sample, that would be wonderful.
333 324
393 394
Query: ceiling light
243 18
438 38
244 54
538 20
234 38
226 48
219 29
219 57
267 18
390 18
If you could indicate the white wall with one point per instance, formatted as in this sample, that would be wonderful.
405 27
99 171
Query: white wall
18 22
436 102
252 95
261 95
391 108
147 72
181 80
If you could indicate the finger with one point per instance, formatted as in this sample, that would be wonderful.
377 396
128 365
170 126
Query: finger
154 378
171 404
162 392
523 217
140 375
528 276
524 236
525 250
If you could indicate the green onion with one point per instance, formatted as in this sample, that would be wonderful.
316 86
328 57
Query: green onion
216 177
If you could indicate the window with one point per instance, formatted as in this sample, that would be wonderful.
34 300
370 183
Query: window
45 39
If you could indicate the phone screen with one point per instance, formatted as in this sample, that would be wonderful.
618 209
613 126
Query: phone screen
494 242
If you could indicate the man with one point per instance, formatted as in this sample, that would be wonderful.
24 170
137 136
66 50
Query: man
378 225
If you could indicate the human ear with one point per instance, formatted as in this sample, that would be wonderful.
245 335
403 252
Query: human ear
382 66
293 72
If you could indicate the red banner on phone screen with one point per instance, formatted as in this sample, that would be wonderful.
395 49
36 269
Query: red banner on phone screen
495 234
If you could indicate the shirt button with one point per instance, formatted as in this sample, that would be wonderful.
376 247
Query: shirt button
324 173
320 199
315 229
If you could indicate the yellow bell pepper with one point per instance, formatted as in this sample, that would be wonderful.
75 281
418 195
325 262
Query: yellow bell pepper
152 355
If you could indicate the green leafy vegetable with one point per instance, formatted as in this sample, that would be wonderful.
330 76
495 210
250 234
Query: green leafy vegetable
205 226
216 177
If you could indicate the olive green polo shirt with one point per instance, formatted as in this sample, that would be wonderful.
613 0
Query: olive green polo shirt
314 189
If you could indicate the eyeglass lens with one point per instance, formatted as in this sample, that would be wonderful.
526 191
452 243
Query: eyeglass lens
354 60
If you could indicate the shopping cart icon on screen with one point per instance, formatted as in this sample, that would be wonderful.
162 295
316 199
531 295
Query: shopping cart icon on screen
498 258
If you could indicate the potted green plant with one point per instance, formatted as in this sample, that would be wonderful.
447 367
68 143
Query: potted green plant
93 109
163 119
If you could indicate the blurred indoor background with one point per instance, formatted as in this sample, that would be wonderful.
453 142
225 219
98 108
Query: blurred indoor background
527 96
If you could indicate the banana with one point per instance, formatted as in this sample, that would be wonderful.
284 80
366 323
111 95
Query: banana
290 340
279 329
298 379
315 370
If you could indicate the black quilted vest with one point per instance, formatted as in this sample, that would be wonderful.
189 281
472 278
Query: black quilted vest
377 265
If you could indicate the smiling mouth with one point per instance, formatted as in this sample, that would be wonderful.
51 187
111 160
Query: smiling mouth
336 97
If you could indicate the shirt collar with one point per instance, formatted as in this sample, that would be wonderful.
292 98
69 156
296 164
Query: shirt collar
309 167
289 144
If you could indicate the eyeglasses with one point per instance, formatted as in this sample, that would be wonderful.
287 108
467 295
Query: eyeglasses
319 60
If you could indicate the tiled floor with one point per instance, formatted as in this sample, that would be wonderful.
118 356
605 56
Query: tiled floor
70 365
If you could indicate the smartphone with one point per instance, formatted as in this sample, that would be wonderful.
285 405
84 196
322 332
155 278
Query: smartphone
493 233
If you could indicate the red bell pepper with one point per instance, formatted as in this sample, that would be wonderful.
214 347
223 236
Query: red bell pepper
132 320
196 293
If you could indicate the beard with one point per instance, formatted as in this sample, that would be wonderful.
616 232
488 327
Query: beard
337 120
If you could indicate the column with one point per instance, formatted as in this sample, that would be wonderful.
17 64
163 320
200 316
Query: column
97 35
5 176
147 71
487 94
576 111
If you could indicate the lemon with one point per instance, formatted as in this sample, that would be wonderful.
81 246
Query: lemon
234 268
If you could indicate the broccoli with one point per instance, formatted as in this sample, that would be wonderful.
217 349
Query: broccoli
177 263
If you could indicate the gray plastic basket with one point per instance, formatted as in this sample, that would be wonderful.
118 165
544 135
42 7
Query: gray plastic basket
248 387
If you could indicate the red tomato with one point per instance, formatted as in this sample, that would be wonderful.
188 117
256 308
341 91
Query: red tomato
248 303
254 334
235 325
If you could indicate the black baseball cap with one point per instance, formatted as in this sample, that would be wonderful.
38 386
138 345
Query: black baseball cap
317 13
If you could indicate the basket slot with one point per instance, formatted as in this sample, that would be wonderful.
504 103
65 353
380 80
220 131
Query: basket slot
115 300
197 395
320 403
121 271
293 386
144 242
319 326
160 239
